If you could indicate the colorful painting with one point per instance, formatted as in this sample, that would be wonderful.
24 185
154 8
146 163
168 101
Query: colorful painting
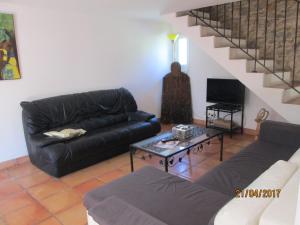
9 63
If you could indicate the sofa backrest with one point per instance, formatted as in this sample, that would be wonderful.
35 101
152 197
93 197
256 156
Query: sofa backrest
280 133
45 114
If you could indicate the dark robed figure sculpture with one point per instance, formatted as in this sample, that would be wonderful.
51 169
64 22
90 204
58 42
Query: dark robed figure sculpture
176 97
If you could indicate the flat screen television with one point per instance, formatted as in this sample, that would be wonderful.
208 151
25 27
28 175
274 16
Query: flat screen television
225 91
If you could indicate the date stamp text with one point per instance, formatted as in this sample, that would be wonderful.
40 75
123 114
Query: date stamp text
257 193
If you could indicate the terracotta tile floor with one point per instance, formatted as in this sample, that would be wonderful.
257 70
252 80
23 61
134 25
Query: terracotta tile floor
28 196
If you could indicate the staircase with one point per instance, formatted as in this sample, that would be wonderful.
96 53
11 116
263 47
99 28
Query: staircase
267 68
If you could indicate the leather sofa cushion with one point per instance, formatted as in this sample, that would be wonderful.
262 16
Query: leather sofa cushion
35 120
46 114
119 123
139 116
55 150
89 125
103 121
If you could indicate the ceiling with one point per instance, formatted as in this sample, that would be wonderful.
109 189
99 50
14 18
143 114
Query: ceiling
143 8
178 5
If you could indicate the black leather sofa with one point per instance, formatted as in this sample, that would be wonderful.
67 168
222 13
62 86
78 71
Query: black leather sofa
110 118
175 201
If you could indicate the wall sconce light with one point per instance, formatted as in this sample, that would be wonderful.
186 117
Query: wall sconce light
173 38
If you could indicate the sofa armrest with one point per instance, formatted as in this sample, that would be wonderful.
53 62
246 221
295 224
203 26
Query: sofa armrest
140 116
41 140
114 211
280 133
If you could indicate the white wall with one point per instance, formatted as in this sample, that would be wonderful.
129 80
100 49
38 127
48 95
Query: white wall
64 52
179 5
145 8
202 67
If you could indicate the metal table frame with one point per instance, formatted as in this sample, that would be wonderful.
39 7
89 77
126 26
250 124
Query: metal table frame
133 149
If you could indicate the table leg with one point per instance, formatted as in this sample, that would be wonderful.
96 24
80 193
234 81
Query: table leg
131 159
231 125
221 150
166 165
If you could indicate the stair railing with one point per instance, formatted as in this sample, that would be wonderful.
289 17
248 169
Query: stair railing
265 13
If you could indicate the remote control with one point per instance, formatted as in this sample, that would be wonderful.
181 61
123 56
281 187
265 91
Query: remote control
169 139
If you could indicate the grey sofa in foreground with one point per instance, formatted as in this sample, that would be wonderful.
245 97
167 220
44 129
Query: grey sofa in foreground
175 201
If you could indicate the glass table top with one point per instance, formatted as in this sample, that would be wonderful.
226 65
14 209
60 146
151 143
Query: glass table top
155 146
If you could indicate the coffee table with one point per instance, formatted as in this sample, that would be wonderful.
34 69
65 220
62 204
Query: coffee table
153 145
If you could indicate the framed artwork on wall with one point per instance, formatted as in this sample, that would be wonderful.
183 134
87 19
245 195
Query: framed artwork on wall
9 62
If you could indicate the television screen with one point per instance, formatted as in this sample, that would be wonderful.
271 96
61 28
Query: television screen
225 91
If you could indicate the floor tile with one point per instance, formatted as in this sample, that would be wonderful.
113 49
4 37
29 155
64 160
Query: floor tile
74 215
26 193
111 176
88 186
100 169
61 201
216 157
14 202
194 158
76 178
22 170
120 160
238 138
211 163
141 160
28 215
194 172
179 167
233 148
33 179
138 164
211 149
3 175
21 160
227 140
9 187
2 222
47 189
227 155
50 221
126 169
7 164
244 143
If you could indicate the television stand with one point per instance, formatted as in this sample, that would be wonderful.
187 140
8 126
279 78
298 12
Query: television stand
224 123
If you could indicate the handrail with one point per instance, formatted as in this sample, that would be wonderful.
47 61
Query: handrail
269 12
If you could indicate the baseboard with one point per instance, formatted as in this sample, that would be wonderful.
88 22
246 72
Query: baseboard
250 131
246 130
199 122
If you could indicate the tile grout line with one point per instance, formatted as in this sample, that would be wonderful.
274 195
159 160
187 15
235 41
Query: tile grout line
118 168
